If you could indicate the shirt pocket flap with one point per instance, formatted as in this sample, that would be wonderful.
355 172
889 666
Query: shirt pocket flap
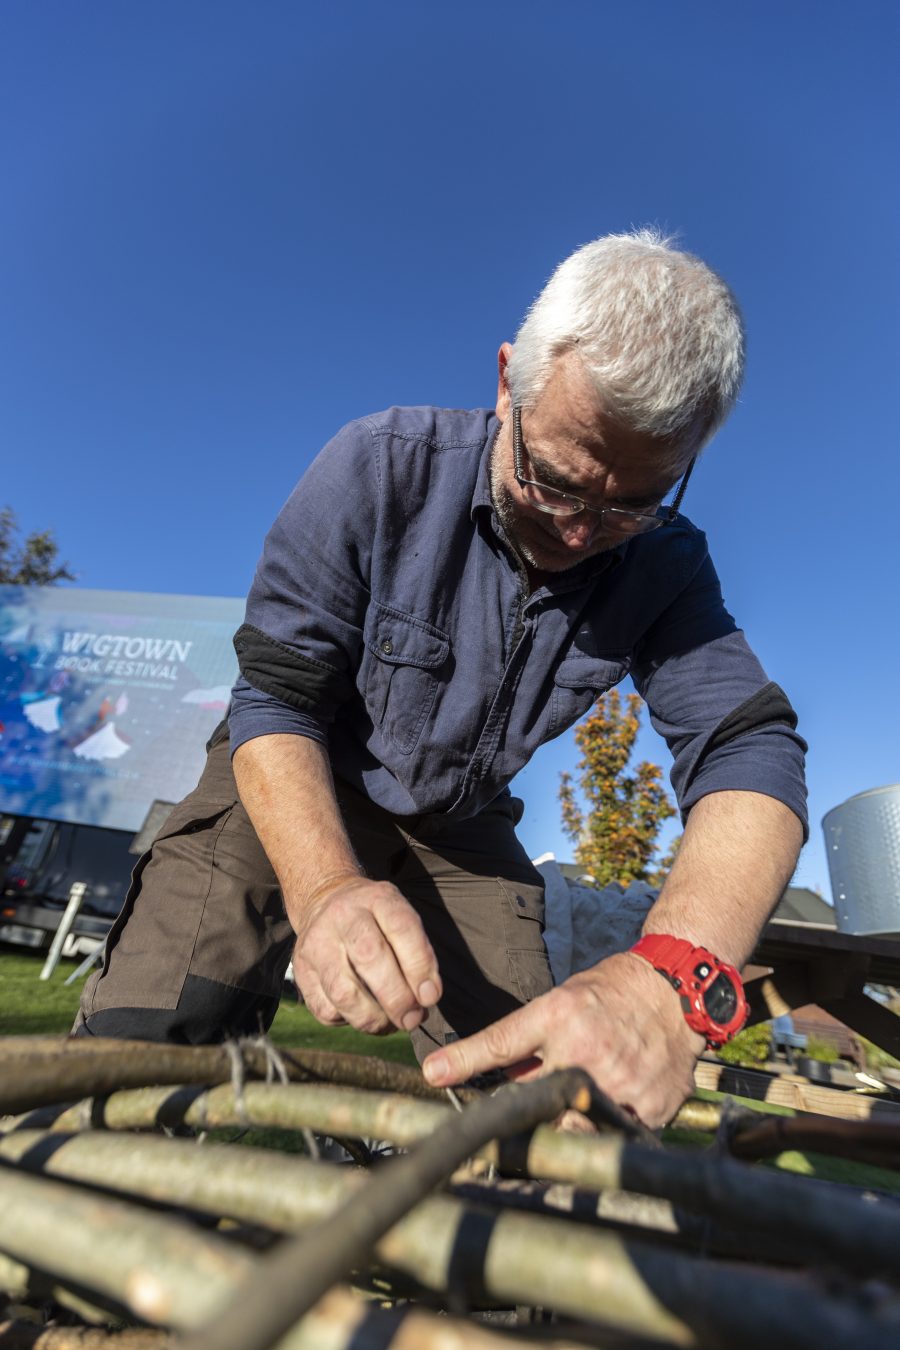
591 672
403 640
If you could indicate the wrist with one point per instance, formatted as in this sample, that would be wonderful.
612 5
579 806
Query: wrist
709 990
319 893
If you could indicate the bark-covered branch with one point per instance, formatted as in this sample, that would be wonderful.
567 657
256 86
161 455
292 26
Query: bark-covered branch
832 1224
870 1141
20 1335
160 1268
327 1109
38 1071
303 1269
453 1247
90 1223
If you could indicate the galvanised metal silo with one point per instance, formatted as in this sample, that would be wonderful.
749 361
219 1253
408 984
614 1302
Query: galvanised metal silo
862 838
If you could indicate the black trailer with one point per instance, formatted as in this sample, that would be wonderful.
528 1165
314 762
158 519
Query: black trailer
42 860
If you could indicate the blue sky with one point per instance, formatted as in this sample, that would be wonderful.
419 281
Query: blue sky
227 228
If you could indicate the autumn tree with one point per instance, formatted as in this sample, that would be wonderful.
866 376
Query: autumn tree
616 828
28 562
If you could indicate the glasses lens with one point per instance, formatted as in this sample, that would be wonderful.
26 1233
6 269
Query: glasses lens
549 500
627 522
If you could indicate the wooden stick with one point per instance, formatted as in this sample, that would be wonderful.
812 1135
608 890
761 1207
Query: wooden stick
35 1072
303 1269
341 1321
294 1193
871 1141
754 1135
797 1209
20 1335
323 1107
793 1092
22 1283
451 1246
161 1269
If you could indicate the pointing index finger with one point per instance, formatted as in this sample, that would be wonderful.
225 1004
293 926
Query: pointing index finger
514 1038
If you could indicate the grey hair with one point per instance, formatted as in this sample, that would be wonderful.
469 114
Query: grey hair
660 335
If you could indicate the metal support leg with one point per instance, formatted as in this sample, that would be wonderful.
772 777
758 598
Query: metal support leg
92 958
76 895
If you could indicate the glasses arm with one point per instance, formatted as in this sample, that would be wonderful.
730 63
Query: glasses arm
682 488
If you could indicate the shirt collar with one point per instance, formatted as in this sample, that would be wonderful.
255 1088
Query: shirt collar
481 497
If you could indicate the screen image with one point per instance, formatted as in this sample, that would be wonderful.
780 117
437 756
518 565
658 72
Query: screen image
107 699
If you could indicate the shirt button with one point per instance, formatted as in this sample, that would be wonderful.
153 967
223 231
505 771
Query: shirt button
387 647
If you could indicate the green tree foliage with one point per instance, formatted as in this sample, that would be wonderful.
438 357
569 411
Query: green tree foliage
29 562
818 1048
749 1048
664 866
876 1058
616 828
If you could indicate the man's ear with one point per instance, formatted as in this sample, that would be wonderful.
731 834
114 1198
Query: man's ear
504 401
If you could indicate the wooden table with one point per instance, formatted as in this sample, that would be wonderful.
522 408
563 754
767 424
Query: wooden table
799 963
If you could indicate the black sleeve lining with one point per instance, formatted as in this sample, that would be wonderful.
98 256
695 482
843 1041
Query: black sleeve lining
769 706
278 670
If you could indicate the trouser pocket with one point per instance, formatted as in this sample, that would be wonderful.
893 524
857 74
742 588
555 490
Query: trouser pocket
150 945
523 921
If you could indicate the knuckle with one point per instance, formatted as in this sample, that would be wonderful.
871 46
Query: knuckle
568 1004
498 1041
392 909
323 1011
396 1001
341 991
364 945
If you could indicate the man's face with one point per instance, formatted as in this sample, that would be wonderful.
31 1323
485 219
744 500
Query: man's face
571 444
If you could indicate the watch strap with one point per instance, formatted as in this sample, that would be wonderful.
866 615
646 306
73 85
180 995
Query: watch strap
677 960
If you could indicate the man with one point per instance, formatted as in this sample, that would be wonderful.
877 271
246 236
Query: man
443 592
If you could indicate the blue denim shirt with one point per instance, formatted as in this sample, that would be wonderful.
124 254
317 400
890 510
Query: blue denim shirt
390 619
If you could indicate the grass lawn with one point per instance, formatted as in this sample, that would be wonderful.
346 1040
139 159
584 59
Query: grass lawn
30 1007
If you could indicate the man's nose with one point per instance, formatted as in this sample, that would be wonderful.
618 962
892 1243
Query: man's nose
577 531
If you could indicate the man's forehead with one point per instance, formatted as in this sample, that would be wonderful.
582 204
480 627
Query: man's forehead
571 437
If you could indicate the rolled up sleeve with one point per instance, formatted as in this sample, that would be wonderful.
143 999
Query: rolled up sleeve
299 647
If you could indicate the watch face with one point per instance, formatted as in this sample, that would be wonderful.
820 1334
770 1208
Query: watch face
720 1000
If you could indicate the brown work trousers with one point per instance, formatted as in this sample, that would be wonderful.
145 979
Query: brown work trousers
200 949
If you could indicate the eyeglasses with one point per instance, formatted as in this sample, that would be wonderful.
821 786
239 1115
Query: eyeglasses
557 503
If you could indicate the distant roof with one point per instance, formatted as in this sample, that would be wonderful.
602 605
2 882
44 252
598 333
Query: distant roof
574 872
798 904
805 906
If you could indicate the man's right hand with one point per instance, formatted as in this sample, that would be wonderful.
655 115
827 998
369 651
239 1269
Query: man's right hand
361 954
362 958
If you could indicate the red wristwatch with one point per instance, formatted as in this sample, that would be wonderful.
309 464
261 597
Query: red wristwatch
711 993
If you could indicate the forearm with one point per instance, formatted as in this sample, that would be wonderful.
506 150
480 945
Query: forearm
286 786
737 855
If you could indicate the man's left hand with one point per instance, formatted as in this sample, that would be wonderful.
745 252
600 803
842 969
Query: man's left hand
620 1021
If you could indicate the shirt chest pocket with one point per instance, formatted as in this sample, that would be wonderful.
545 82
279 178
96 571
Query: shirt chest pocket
407 660
579 681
